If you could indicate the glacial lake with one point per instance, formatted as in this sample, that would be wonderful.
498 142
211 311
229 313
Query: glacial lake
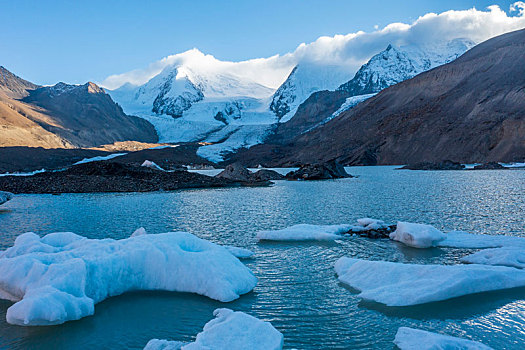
298 291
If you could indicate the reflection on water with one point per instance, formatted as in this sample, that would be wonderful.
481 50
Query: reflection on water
297 291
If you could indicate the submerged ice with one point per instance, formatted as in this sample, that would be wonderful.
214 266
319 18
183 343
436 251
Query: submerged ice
417 339
229 330
397 284
305 232
61 276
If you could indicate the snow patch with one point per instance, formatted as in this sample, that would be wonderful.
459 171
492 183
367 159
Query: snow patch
417 235
397 284
99 158
31 173
61 276
417 339
152 165
230 330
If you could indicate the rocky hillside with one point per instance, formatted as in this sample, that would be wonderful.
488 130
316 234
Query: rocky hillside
63 116
470 110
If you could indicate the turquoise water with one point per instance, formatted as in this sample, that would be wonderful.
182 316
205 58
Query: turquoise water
298 290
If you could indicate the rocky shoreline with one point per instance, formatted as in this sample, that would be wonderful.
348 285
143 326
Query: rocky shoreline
114 177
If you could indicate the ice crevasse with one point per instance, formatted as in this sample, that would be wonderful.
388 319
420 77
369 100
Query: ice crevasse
61 276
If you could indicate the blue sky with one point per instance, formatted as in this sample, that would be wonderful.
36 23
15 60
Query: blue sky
76 41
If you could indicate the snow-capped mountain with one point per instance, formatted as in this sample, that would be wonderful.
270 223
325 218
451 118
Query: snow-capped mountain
304 80
394 65
199 98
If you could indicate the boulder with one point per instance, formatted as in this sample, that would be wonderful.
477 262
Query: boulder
325 171
489 166
267 175
5 196
236 172
443 165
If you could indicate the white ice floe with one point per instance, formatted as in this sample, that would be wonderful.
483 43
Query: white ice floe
417 339
397 284
240 253
99 158
460 239
506 256
5 196
60 276
366 224
417 235
229 330
151 165
305 232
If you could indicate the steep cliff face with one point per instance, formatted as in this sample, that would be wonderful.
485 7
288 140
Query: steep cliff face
470 110
63 116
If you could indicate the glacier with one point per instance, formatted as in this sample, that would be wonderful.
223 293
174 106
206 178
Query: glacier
61 276
229 329
398 284
418 339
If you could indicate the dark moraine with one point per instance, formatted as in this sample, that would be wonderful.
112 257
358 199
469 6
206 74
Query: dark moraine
325 171
443 165
110 177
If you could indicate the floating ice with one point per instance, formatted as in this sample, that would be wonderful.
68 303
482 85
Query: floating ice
459 239
228 330
305 232
417 235
240 253
151 165
417 339
60 277
506 256
5 196
397 284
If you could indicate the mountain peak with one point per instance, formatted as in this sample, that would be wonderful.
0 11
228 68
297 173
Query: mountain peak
93 88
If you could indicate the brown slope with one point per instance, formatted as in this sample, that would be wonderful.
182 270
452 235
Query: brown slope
63 116
470 110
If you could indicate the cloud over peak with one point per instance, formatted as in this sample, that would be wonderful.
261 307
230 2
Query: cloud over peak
348 51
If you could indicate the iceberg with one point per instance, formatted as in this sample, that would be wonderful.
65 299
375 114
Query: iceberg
397 284
229 330
506 256
5 196
61 276
305 232
417 339
460 239
417 235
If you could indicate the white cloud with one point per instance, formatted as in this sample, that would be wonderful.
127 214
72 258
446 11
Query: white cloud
350 50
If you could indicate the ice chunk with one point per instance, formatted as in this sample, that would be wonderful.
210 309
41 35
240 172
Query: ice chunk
459 239
61 276
417 235
417 339
5 196
139 232
506 256
305 232
397 284
229 330
240 253
162 344
151 165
